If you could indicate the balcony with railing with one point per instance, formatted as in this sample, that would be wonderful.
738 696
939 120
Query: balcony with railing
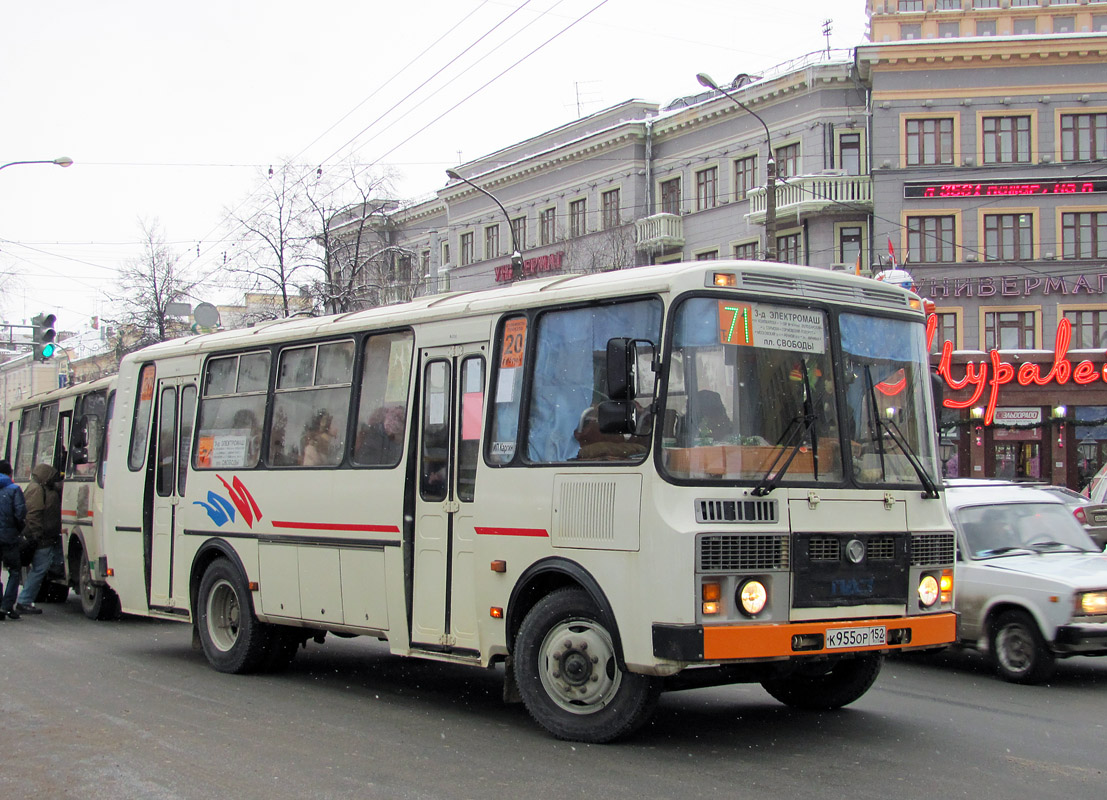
802 195
659 232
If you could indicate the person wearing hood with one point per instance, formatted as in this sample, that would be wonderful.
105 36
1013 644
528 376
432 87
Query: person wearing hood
13 512
43 529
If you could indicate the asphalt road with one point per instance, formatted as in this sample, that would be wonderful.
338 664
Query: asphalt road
127 709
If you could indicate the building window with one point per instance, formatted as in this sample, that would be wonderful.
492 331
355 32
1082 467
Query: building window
1009 330
1022 3
1084 235
910 5
949 30
1064 24
948 5
445 254
910 31
1083 137
547 226
1025 27
1008 237
985 27
849 153
519 232
578 217
707 181
670 196
849 244
929 141
710 255
466 249
492 241
946 330
1099 23
788 249
1006 140
747 251
931 240
985 3
745 177
1089 329
788 160
609 202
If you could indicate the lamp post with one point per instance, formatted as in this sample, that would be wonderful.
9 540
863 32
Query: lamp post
61 161
770 168
516 255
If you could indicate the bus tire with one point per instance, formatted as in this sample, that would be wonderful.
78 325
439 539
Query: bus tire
231 636
826 685
1017 650
284 643
568 674
97 602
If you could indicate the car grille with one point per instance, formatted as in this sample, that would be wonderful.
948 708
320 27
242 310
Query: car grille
932 549
742 552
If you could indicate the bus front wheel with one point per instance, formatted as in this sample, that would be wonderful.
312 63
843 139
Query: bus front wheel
232 637
826 685
568 674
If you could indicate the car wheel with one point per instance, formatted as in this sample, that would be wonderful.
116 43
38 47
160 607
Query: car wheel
233 639
1017 649
826 685
568 674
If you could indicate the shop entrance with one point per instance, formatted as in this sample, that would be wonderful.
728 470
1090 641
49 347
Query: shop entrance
1020 460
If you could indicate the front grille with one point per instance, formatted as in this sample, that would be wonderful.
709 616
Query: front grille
883 549
742 552
736 511
824 548
932 549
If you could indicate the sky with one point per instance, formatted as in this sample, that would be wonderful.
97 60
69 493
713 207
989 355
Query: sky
171 112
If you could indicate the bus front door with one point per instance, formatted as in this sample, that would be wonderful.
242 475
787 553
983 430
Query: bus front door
452 412
175 409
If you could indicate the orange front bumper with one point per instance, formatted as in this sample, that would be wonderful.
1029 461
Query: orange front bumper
773 641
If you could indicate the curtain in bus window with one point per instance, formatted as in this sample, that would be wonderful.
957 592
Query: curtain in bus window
570 370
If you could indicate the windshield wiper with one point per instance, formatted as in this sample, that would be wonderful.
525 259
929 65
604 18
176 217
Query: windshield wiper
999 551
801 424
1052 544
896 435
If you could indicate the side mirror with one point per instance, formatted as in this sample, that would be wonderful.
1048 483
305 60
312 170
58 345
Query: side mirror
621 369
624 370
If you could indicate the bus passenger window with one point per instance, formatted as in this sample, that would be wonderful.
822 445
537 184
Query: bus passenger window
472 413
436 432
382 403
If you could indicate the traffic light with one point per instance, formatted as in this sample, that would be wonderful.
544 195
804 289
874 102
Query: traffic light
44 335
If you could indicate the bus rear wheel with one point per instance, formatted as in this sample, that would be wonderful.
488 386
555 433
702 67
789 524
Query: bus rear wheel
97 602
232 637
826 685
568 674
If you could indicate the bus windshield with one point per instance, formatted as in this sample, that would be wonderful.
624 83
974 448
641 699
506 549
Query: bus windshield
750 394
886 373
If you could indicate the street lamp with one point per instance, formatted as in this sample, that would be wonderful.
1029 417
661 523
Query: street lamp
61 161
770 168
516 255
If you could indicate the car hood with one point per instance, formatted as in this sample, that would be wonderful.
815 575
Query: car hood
1079 570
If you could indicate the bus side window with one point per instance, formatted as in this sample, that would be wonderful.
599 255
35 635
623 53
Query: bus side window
472 413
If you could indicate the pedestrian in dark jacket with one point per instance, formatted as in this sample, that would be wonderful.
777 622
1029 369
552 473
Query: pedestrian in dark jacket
43 529
13 511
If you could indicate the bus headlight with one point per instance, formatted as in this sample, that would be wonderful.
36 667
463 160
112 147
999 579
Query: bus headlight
1091 603
928 591
752 597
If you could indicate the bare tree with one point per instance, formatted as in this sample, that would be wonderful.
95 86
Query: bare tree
317 241
147 286
604 251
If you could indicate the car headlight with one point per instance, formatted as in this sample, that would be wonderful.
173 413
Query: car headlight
1091 603
752 597
928 591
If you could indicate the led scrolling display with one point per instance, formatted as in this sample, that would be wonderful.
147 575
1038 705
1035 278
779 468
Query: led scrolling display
1005 188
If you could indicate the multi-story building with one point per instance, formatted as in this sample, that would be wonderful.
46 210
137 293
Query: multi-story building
969 139
989 131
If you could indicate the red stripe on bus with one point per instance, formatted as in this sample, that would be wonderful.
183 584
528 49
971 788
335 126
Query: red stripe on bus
511 532
335 526
71 512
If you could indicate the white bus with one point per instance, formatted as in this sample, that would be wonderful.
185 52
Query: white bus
613 484
68 429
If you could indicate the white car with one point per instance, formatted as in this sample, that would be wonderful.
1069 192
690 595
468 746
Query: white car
1030 584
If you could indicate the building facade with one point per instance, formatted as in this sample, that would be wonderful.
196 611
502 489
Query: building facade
967 142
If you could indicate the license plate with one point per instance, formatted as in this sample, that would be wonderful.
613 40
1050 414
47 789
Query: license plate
1098 518
856 637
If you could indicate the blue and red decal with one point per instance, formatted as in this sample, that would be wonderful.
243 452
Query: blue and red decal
221 511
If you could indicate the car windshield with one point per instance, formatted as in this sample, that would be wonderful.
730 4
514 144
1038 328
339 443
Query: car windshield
1009 528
